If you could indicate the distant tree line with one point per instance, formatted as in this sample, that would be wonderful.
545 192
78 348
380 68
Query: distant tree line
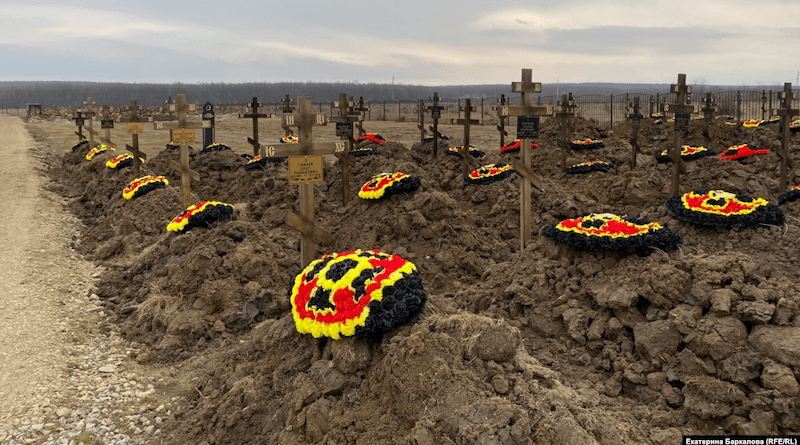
72 94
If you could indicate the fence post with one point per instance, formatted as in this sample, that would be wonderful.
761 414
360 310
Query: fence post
612 112
459 108
399 111
739 107
369 110
771 112
482 119
384 110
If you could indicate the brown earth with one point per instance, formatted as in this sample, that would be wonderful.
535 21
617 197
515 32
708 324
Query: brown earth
544 345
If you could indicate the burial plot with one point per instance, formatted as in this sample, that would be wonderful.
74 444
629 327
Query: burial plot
527 129
567 104
252 112
135 127
183 134
344 129
467 121
786 112
634 114
682 112
436 114
305 169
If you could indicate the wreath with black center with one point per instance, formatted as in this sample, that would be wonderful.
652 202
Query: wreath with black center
587 143
201 215
356 293
591 166
387 184
430 139
790 195
607 231
741 151
366 150
80 145
687 154
144 185
488 174
174 146
257 162
122 161
214 147
474 152
515 146
794 126
718 208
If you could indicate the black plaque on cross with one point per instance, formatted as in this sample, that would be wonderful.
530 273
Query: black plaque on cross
501 127
682 112
183 135
633 113
252 112
709 108
344 129
208 132
523 166
436 114
786 112
467 121
306 148
135 126
567 110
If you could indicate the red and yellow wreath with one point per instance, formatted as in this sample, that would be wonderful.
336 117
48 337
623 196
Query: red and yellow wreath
290 139
144 185
201 215
687 153
216 146
752 123
102 148
474 152
356 293
515 146
607 231
718 208
488 174
585 143
741 151
788 196
388 184
372 137
121 161
591 166
794 126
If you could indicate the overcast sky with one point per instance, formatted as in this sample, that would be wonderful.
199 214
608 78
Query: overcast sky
418 42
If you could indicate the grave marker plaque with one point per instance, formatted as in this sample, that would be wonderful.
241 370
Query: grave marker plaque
682 112
184 131
523 166
634 114
436 114
135 126
467 121
786 112
252 112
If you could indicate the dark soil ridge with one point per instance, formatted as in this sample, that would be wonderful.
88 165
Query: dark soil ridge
545 345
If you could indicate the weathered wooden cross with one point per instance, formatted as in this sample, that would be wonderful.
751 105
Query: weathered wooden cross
252 111
567 104
467 121
79 122
344 129
287 108
527 129
89 111
107 124
501 127
421 119
786 113
682 112
183 135
709 108
305 169
362 108
633 113
135 126
436 114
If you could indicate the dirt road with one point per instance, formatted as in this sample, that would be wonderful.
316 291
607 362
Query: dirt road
38 273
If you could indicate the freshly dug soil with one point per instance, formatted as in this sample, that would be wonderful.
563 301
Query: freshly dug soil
543 345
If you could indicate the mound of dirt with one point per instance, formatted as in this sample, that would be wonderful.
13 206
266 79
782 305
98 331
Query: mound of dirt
543 345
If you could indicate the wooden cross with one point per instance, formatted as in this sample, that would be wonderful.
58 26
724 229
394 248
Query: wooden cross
467 121
170 113
79 122
527 129
183 135
253 112
421 119
135 126
682 112
786 113
502 126
436 114
764 105
208 132
709 108
567 104
362 108
88 111
344 129
634 114
287 108
107 124
304 153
